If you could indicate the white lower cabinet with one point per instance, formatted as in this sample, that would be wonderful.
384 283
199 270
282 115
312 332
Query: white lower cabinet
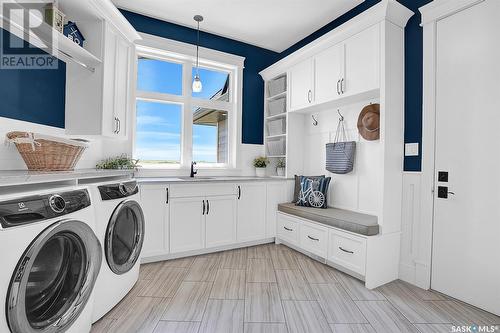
251 211
314 238
220 221
187 227
348 251
154 203
288 228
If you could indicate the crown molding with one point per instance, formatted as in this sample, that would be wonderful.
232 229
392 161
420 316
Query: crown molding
386 10
439 9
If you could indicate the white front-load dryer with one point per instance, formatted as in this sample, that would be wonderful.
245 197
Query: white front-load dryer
50 261
120 229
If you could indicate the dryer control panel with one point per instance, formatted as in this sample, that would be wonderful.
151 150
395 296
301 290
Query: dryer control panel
37 208
118 190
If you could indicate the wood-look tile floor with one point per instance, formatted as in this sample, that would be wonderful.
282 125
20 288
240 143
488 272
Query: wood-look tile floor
272 288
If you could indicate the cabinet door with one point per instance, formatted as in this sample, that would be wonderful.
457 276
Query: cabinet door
109 125
362 62
122 83
251 211
276 194
301 85
155 208
328 72
187 224
220 221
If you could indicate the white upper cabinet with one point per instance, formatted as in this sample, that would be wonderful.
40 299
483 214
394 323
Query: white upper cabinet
301 85
362 62
220 220
328 74
251 211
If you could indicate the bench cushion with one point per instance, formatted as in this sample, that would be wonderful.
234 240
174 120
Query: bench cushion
358 223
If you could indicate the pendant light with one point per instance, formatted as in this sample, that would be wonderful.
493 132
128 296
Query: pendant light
197 86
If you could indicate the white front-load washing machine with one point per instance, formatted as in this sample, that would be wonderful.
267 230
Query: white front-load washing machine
120 229
50 261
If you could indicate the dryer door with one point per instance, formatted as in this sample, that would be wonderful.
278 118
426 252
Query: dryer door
124 237
54 279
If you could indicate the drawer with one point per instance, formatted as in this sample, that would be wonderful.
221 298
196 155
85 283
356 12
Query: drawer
201 190
348 251
288 228
314 238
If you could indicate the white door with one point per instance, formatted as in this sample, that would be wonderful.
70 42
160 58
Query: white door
466 246
155 208
252 211
362 62
187 224
220 221
122 82
328 73
301 85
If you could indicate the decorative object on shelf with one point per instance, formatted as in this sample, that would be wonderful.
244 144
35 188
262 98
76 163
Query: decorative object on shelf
276 106
369 122
313 192
340 154
197 85
73 33
47 153
119 162
260 163
280 167
54 17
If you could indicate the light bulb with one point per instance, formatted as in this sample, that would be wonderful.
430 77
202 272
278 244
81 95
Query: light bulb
197 86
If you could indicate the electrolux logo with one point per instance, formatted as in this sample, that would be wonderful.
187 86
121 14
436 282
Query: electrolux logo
26 41
475 329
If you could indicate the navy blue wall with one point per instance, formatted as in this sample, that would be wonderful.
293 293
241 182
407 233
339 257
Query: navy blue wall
413 70
256 60
36 96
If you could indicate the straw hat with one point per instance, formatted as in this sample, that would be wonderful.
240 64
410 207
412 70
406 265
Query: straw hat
369 122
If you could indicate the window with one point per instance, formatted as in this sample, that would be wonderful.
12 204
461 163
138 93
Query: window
175 125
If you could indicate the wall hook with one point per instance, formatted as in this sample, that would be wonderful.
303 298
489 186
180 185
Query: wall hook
315 121
340 114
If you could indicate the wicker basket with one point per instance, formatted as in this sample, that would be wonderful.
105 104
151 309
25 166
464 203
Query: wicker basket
47 153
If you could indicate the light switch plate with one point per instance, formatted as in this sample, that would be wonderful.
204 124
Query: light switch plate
411 149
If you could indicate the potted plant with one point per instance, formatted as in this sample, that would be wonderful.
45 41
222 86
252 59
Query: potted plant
260 164
280 167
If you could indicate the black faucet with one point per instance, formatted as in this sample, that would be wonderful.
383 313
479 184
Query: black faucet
192 170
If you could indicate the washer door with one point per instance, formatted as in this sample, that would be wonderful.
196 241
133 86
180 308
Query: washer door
54 279
124 237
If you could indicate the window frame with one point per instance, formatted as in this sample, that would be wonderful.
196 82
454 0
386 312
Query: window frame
155 47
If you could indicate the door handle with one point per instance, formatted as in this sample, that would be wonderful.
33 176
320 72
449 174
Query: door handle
168 194
239 192
208 207
347 251
312 238
203 207
443 192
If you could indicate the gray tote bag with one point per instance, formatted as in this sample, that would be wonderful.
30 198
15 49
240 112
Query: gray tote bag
340 153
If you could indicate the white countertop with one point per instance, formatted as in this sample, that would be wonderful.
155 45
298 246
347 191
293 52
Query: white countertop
202 179
22 177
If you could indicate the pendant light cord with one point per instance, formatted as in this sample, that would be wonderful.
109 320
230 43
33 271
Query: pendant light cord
197 46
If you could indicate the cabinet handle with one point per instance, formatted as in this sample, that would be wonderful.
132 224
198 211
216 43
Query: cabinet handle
203 207
312 238
287 229
116 125
168 194
239 192
119 125
338 89
342 86
346 251
309 96
208 207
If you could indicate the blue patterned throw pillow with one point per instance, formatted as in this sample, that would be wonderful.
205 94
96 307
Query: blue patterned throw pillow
313 192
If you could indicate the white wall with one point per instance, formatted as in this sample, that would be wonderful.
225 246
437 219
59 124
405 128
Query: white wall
357 190
99 147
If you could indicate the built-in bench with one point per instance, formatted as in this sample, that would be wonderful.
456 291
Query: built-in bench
347 240
358 223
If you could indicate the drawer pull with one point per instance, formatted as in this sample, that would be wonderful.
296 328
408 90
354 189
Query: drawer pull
312 238
287 229
347 251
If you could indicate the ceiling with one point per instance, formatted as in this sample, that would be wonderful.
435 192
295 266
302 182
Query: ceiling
271 24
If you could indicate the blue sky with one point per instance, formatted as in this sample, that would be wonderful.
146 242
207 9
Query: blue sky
159 124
